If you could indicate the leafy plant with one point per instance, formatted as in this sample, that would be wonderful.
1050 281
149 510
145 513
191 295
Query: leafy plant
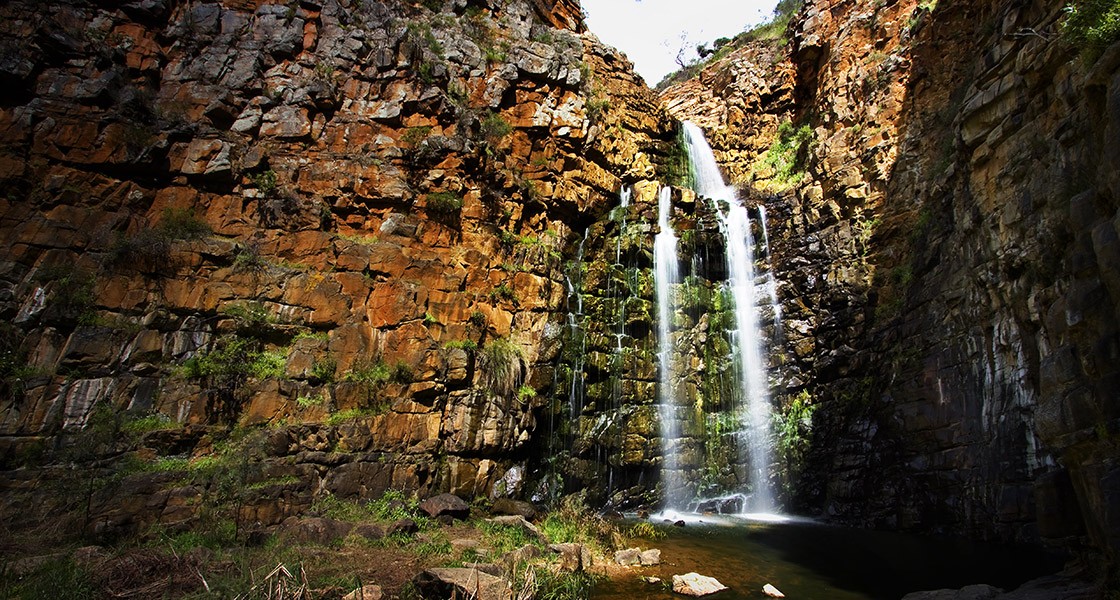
791 429
1091 26
265 182
503 292
323 369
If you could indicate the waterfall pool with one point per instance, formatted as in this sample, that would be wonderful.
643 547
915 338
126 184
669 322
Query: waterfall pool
813 561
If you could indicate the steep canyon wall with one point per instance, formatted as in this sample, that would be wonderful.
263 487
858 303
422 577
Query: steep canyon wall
948 250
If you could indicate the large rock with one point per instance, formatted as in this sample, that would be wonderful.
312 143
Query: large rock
573 557
506 506
315 530
520 523
695 584
461 583
629 557
972 592
446 505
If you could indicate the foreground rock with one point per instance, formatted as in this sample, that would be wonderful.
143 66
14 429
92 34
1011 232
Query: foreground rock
462 583
772 591
366 592
506 506
446 505
573 557
314 530
520 522
695 584
1044 588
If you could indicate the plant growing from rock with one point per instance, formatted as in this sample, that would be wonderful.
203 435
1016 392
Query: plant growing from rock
150 247
443 203
1091 26
501 363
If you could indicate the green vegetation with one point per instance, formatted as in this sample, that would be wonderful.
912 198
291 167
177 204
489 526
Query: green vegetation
324 368
139 425
788 154
774 31
71 298
500 362
478 319
355 414
647 530
571 521
150 247
443 203
414 135
494 128
1091 26
468 345
58 579
503 292
792 428
265 182
526 393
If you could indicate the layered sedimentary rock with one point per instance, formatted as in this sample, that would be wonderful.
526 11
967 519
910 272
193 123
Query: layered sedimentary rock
352 215
947 259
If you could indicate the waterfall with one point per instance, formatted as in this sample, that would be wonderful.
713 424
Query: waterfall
754 440
665 275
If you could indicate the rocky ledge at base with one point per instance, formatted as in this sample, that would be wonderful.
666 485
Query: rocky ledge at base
1045 588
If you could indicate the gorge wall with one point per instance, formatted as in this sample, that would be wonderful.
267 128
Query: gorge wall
947 247
387 239
343 225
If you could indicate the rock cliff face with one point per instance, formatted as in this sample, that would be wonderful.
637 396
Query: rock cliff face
347 221
948 259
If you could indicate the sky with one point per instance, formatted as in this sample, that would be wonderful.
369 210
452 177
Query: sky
650 32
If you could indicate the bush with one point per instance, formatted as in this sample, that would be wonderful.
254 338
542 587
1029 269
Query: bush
495 128
788 153
443 203
150 247
265 182
500 363
1091 26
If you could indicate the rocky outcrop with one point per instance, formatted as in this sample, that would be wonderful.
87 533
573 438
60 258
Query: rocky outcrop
346 221
945 258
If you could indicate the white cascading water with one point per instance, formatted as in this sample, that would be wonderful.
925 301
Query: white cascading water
665 275
736 226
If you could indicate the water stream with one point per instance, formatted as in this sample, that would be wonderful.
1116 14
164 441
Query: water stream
808 560
665 276
755 439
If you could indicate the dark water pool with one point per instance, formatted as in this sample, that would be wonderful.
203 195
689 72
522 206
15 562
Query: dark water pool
807 560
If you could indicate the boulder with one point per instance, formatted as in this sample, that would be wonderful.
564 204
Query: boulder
462 583
629 557
571 556
695 584
506 506
366 592
650 557
446 505
520 522
314 530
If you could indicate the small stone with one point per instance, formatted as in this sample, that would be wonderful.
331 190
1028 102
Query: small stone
651 580
679 523
772 591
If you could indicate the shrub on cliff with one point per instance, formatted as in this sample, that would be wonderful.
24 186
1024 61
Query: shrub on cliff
500 362
1092 26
